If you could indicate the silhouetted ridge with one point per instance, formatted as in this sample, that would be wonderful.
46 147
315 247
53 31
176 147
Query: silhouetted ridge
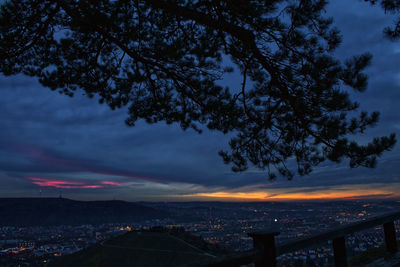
58 211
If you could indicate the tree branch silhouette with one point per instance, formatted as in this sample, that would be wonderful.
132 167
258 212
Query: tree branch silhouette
164 60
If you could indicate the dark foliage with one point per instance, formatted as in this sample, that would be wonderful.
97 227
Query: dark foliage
163 59
390 6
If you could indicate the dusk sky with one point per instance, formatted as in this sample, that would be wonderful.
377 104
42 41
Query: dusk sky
51 142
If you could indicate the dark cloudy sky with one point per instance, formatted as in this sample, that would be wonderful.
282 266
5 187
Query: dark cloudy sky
51 143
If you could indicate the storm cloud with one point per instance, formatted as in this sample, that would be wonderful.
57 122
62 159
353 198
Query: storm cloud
48 140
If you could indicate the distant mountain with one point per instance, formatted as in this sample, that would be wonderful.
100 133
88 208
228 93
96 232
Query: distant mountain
59 211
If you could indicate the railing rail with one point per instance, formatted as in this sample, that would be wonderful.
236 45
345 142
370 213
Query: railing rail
265 251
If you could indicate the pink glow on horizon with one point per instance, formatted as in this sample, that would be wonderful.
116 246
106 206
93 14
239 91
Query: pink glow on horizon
41 155
58 183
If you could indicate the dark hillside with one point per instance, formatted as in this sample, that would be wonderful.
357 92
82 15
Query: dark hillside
144 248
59 211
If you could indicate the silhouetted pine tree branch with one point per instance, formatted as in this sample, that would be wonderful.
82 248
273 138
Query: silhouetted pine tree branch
164 59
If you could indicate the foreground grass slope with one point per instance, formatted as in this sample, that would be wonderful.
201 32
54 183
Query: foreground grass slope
142 248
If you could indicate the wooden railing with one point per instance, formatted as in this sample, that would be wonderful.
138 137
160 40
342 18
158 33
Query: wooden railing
265 251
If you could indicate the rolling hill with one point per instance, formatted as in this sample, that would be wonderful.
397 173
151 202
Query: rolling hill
62 211
144 248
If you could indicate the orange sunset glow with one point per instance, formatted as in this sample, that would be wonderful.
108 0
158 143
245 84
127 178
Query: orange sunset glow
344 192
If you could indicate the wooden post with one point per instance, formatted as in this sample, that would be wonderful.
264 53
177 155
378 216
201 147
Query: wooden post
339 251
265 242
390 237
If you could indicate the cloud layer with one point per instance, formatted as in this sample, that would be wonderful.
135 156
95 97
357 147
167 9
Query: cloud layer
51 141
